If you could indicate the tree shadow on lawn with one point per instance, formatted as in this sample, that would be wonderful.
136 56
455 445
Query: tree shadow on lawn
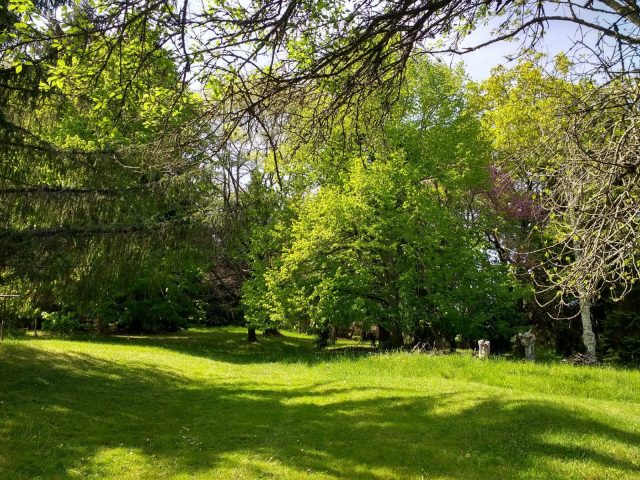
61 412
230 345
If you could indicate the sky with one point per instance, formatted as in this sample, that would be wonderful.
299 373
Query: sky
478 64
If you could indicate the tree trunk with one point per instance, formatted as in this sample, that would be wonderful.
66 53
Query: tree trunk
333 335
588 337
397 339
4 315
101 326
384 338
251 334
452 345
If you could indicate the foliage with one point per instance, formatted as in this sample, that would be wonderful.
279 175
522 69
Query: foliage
157 301
621 331
97 182
327 55
63 323
157 128
391 242
565 148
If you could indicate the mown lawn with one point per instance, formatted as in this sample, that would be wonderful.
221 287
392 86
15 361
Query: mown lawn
204 404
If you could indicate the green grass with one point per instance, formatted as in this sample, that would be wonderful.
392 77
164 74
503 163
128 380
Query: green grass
204 404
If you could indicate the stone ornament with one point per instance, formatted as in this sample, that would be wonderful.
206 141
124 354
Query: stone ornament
484 348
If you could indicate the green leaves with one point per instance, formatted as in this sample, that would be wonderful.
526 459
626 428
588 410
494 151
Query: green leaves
95 188
21 6
383 238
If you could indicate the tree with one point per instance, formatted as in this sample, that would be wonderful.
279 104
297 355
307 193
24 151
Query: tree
391 242
577 160
594 208
97 181
289 48
285 73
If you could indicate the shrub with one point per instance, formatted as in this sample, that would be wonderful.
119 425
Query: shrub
63 323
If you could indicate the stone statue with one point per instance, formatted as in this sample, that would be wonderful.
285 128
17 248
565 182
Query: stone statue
484 348
527 340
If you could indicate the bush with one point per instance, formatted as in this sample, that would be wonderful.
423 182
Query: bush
149 305
62 323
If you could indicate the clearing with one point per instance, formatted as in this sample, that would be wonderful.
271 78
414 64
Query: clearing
206 405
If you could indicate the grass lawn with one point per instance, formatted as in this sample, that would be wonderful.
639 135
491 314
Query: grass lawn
204 404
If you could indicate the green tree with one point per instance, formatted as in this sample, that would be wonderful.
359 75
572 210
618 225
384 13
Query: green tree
97 182
392 242
575 159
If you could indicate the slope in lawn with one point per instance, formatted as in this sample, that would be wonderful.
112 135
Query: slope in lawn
204 404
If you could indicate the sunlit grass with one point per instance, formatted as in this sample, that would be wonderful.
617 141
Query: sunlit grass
206 404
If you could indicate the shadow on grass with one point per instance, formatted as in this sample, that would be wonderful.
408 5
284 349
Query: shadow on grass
60 412
230 345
